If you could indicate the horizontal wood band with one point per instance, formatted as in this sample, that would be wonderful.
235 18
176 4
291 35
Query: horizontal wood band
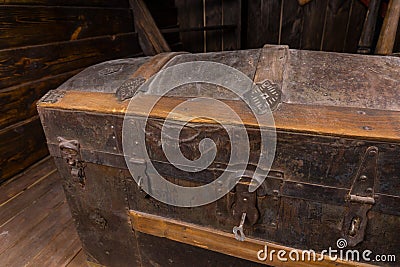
220 241
360 123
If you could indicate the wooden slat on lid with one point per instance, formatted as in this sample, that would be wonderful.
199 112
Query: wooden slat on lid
325 120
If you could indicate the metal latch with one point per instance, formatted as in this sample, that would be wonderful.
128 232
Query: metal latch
70 151
238 230
244 207
360 198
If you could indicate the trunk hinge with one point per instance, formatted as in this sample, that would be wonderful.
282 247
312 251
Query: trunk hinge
360 198
70 151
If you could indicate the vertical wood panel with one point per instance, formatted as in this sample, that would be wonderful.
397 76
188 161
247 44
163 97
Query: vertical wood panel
190 15
232 15
313 25
253 24
356 21
270 18
337 17
263 22
213 16
292 24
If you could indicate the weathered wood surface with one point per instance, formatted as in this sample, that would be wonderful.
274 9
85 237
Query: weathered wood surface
387 36
336 25
356 20
313 173
232 15
101 212
20 146
84 3
342 80
308 119
192 41
263 23
292 24
333 25
151 40
15 186
368 32
38 25
310 155
314 24
219 241
35 224
213 17
42 44
19 101
35 62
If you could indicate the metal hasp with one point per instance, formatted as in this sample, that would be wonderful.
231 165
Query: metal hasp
238 230
70 151
244 206
361 198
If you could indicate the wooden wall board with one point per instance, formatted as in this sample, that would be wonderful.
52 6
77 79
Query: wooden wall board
40 25
192 41
292 24
356 20
313 24
84 3
19 101
43 43
232 15
333 25
35 62
337 17
213 17
263 22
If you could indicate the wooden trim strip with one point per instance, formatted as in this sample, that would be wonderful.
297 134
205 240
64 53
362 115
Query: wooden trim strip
154 64
367 124
221 242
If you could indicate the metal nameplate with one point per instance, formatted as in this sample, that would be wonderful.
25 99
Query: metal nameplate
110 69
52 96
129 88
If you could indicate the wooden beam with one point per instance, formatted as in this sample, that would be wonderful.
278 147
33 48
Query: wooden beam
150 38
387 36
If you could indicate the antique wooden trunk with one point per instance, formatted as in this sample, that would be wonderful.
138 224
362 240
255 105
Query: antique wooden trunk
334 182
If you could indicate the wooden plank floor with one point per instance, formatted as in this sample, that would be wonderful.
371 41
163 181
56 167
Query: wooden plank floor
36 228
